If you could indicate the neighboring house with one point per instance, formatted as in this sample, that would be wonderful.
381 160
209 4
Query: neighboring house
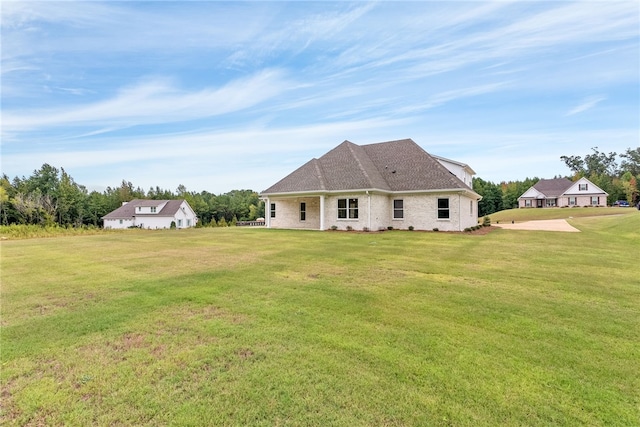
153 214
389 184
561 192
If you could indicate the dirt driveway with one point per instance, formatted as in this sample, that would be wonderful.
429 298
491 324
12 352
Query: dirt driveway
541 225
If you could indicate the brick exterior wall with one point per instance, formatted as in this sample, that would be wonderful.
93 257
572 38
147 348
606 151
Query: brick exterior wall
375 211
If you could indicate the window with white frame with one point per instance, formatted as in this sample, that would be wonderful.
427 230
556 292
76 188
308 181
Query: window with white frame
470 207
179 223
153 209
443 208
272 210
595 200
583 187
527 203
303 211
347 208
398 209
572 200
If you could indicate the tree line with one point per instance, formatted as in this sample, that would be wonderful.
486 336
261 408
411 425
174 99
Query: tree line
50 196
617 174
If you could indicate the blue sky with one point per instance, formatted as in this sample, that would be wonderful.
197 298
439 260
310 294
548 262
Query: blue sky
235 95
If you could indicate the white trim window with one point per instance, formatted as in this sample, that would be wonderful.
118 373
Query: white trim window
527 203
443 208
583 187
572 200
398 209
595 200
272 210
347 208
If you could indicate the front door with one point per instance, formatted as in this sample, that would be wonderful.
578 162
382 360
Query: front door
539 203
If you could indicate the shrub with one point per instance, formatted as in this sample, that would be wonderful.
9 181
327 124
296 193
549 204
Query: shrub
411 228
334 227
467 229
486 221
173 225
436 229
365 229
389 228
349 228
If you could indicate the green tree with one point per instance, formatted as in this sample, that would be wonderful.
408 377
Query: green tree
631 161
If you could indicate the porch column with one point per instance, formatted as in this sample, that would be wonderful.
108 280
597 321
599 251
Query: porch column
322 212
267 213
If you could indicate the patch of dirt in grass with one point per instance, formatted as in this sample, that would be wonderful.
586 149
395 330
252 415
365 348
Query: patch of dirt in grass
245 353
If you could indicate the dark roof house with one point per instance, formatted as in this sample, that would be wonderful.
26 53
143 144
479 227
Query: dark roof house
370 179
561 192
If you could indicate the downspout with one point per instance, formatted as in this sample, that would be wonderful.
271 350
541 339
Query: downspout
322 212
459 213
369 210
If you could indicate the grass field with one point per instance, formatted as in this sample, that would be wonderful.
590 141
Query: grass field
534 214
238 326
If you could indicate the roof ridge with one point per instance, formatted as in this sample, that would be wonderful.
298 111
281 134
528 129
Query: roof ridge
357 159
320 173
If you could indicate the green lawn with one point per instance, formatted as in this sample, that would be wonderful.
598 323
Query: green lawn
532 214
238 326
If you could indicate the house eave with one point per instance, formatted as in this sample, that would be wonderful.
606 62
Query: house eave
318 193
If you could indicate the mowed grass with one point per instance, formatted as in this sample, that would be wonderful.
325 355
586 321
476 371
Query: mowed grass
535 214
238 326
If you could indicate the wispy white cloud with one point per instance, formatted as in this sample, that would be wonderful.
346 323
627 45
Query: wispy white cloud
156 101
284 81
586 104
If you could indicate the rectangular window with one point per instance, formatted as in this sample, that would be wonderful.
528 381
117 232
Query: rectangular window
347 208
188 223
303 211
179 223
470 207
572 201
398 209
582 187
443 208
120 221
153 209
527 203
595 200
273 210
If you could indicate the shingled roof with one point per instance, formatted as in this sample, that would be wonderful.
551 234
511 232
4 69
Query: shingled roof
553 187
128 210
388 166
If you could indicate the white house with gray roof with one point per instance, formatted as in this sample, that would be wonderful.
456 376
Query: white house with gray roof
151 214
561 192
388 184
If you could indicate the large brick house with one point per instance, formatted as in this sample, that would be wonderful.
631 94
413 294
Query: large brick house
388 184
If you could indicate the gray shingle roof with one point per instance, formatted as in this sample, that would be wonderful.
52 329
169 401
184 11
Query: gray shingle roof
389 166
553 187
129 209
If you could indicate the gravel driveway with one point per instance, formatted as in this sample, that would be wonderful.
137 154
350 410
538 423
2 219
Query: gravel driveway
541 225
